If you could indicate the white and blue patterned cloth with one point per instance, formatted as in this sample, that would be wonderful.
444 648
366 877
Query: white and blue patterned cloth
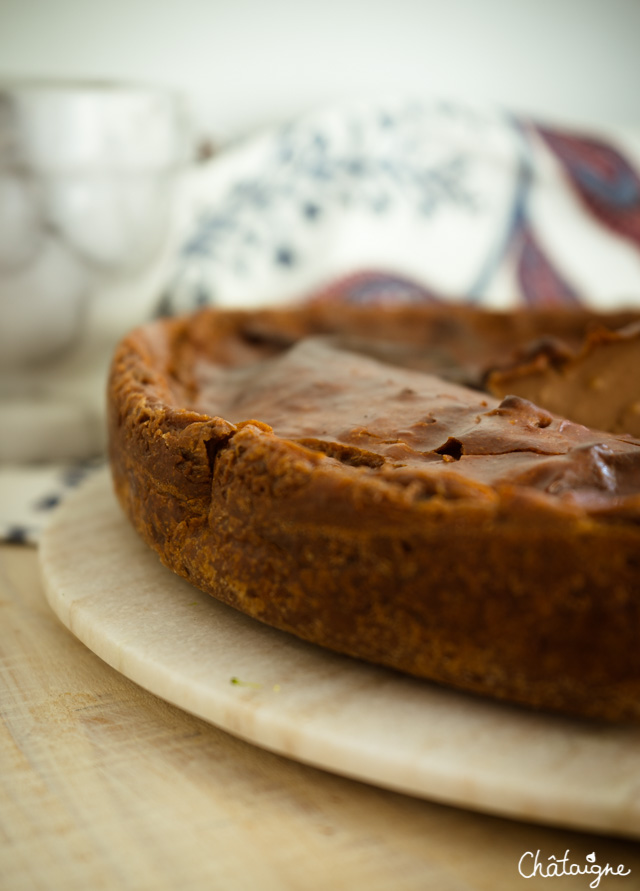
459 203
398 199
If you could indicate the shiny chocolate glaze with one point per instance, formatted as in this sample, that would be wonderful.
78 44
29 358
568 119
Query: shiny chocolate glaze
364 412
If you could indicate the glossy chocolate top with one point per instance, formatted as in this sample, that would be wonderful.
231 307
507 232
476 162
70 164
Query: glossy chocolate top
361 411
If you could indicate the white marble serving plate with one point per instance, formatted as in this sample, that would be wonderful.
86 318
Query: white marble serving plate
317 707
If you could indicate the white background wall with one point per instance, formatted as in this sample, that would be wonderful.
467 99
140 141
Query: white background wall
246 62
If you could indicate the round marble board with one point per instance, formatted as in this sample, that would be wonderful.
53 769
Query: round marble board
318 707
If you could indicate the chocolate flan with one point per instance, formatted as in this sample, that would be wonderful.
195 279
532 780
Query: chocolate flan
347 475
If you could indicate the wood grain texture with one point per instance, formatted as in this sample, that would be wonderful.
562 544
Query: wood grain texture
105 786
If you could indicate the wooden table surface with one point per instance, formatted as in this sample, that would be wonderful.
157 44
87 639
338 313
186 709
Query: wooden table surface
105 786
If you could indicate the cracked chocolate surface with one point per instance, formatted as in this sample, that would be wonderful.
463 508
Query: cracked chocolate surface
324 397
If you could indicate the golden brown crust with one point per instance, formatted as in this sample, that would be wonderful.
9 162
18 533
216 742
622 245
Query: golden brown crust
491 580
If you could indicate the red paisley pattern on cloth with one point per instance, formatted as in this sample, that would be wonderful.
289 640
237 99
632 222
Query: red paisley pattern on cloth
605 180
540 282
372 287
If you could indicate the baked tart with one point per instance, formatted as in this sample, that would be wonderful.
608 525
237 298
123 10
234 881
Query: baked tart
346 474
